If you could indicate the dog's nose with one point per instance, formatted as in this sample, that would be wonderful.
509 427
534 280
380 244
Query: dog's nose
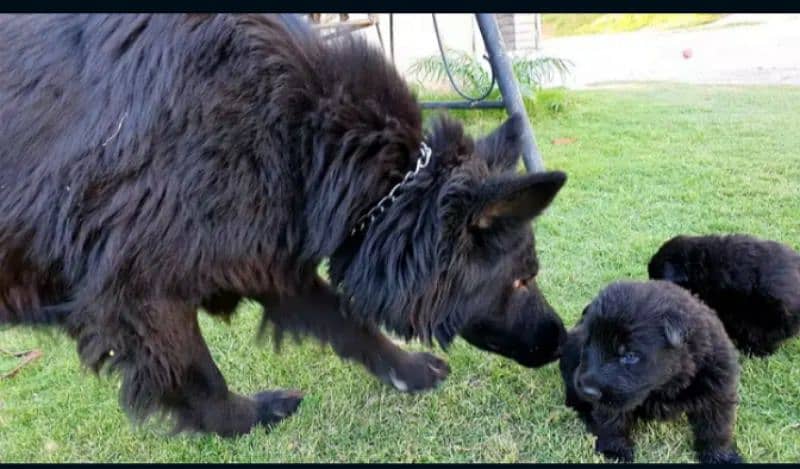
591 392
588 390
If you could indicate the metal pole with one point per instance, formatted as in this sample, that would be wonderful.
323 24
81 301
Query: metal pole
376 20
463 105
391 35
509 88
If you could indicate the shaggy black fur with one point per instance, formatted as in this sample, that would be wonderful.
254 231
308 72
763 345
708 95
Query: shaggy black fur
650 350
530 343
754 285
154 164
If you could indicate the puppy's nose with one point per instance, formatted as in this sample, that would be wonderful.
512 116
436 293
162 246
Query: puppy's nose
591 392
588 390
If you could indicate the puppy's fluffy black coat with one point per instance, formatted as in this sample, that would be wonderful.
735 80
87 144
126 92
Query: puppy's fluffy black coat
754 285
650 350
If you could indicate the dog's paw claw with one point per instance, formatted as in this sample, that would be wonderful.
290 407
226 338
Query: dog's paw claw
274 406
418 372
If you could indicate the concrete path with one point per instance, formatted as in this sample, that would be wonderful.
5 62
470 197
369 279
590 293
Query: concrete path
747 49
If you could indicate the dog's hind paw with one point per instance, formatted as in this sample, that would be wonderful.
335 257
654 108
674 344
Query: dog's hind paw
615 449
274 406
417 372
720 457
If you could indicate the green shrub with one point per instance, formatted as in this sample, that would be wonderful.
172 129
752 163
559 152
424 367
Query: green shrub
473 79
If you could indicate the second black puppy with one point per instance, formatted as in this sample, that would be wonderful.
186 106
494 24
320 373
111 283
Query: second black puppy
650 350
754 285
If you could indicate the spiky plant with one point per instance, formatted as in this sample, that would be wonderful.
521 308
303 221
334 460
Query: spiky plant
472 78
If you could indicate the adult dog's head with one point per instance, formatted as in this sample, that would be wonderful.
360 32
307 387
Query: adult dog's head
454 253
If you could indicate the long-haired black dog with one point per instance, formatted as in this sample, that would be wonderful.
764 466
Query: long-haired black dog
152 165
650 350
752 284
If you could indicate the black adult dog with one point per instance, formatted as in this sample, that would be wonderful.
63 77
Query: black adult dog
754 285
650 350
152 165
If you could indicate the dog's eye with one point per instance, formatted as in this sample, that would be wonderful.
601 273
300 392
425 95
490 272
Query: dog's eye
629 358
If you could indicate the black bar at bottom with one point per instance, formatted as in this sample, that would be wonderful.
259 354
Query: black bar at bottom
462 105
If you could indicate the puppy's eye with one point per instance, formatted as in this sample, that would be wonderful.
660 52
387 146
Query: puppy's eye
629 358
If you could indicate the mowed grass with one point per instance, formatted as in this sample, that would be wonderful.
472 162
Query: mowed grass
646 163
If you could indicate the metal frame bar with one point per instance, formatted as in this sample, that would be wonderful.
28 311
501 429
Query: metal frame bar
509 90
463 105
501 70
391 35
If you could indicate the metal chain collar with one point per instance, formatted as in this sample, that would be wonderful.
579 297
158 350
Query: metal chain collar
365 221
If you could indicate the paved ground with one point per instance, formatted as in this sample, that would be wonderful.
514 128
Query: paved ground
752 49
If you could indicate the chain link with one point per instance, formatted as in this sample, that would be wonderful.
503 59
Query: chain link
365 221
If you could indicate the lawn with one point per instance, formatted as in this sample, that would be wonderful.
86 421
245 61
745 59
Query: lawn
561 24
645 164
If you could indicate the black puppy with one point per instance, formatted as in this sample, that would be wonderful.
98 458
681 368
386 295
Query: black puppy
754 285
650 350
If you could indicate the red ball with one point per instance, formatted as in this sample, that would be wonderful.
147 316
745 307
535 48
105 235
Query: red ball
687 53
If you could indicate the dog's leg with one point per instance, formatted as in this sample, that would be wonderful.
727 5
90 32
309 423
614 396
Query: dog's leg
713 433
166 367
613 435
316 312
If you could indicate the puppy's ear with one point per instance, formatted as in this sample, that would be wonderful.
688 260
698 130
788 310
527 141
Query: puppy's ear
675 330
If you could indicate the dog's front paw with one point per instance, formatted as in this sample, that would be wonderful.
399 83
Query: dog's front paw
729 456
618 449
274 406
417 372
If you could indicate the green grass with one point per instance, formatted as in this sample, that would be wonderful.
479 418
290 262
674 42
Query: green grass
559 24
647 163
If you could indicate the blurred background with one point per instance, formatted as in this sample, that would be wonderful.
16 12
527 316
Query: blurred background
599 49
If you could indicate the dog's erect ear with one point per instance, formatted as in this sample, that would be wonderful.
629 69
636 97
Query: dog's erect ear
518 197
675 330
501 148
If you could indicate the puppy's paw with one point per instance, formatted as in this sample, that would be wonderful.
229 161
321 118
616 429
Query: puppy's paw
618 449
417 372
719 456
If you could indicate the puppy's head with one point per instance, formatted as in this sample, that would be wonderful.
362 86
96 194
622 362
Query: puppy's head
672 261
635 342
